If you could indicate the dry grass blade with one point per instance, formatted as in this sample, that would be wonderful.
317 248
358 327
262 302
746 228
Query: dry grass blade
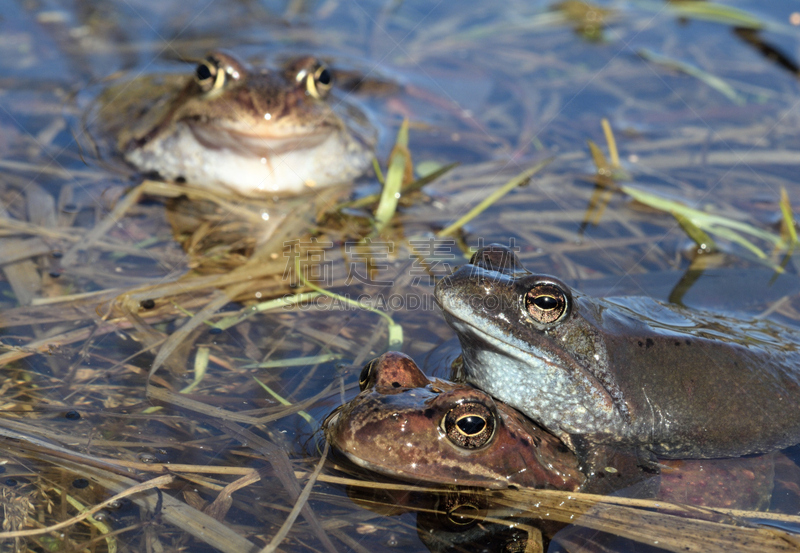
86 513
196 523
102 228
14 431
672 527
17 250
301 501
279 460
519 180
667 531
177 337
182 402
220 506
45 345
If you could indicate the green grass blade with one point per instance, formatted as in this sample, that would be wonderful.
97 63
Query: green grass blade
703 240
737 238
599 158
377 168
294 362
494 196
711 80
394 179
411 187
227 322
395 330
200 367
718 13
280 399
700 218
788 217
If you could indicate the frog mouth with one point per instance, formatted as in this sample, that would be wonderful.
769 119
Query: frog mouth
449 475
465 327
249 141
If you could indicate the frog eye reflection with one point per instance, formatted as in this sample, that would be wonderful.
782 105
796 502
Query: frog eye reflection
366 373
319 82
209 75
469 425
546 303
464 514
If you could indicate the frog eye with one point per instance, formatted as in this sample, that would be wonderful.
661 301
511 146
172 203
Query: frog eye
366 373
319 82
546 303
209 75
469 425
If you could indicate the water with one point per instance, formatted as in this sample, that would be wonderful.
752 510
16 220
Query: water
493 87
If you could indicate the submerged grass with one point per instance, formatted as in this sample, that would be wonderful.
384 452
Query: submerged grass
699 225
487 202
711 80
395 330
221 464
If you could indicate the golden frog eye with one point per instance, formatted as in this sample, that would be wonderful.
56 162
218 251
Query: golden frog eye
319 82
546 303
366 373
209 75
469 425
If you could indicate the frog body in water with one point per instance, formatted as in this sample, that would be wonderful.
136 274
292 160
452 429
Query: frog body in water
230 126
630 370
408 426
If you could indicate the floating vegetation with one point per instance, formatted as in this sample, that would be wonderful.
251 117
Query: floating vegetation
164 372
671 527
699 225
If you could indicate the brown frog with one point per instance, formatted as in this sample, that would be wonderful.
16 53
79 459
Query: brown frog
229 126
405 425
408 426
